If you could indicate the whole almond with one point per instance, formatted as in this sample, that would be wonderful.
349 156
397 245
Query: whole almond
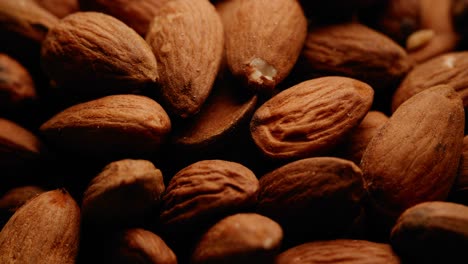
45 230
16 84
341 251
136 14
187 40
240 238
112 126
432 232
354 50
414 157
60 8
263 40
450 69
310 118
206 191
26 19
123 194
314 197
138 245
93 53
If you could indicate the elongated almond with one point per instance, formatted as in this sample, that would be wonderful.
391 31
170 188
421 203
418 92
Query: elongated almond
44 231
187 40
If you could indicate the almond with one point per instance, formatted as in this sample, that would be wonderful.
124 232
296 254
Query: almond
354 50
187 40
123 194
339 251
112 126
136 14
263 40
93 53
310 118
432 232
414 157
45 230
239 238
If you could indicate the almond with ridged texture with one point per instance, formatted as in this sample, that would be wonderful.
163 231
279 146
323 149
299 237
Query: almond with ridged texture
432 232
263 40
450 69
206 191
414 157
357 51
341 251
239 238
136 14
138 245
312 198
356 144
26 19
123 194
60 8
187 40
112 126
16 84
310 118
92 53
46 230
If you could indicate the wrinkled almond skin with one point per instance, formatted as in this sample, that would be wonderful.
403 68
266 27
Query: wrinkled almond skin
121 59
115 125
206 191
450 69
357 142
314 197
341 251
45 230
432 232
356 51
240 238
263 40
414 157
123 194
60 8
141 246
14 199
136 14
16 84
187 39
26 18
310 118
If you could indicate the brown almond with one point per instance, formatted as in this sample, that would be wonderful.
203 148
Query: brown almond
263 40
414 157
310 118
356 51
136 14
112 126
341 251
60 8
187 40
357 142
314 197
240 238
432 232
93 53
26 19
16 84
450 69
138 245
123 194
45 230
206 191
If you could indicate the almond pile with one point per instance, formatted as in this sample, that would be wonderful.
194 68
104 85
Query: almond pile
233 131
